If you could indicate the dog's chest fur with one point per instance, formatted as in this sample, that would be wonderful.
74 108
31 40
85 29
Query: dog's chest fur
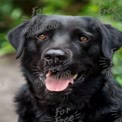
63 114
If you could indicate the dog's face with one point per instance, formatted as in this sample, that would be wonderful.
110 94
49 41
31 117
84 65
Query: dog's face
63 49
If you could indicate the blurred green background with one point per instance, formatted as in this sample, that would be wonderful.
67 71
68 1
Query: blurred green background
13 12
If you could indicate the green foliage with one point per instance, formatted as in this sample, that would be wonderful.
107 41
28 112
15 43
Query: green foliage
9 19
117 69
5 48
13 12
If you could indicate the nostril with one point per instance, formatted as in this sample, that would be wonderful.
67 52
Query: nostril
47 56
61 57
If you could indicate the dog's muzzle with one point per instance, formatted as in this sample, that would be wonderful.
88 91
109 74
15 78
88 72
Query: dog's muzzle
57 78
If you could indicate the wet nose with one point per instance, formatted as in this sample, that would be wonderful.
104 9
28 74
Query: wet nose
55 54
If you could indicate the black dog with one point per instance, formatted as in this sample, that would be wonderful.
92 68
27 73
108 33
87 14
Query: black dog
66 61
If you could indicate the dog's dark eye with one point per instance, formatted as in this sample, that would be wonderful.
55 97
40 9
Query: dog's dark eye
42 36
84 39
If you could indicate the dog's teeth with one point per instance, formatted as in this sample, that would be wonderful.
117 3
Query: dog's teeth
75 76
72 82
48 74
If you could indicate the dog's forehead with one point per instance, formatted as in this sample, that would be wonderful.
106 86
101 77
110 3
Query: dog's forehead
64 20
43 23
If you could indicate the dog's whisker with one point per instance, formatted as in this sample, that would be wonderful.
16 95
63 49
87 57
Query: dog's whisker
48 118
102 58
77 115
103 64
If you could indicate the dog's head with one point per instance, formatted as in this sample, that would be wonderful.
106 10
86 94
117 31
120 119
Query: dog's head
64 49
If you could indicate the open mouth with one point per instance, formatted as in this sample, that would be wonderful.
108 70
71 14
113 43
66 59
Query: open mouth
57 84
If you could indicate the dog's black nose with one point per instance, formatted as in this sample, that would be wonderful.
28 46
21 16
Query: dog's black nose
55 55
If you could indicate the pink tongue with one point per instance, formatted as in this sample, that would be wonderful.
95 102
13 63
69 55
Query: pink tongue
54 84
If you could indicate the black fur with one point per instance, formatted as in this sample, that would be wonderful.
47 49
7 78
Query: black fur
94 96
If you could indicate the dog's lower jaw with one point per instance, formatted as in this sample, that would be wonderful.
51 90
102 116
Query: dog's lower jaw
45 97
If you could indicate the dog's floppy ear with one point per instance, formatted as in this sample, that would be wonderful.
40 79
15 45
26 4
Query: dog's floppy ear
17 37
111 39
